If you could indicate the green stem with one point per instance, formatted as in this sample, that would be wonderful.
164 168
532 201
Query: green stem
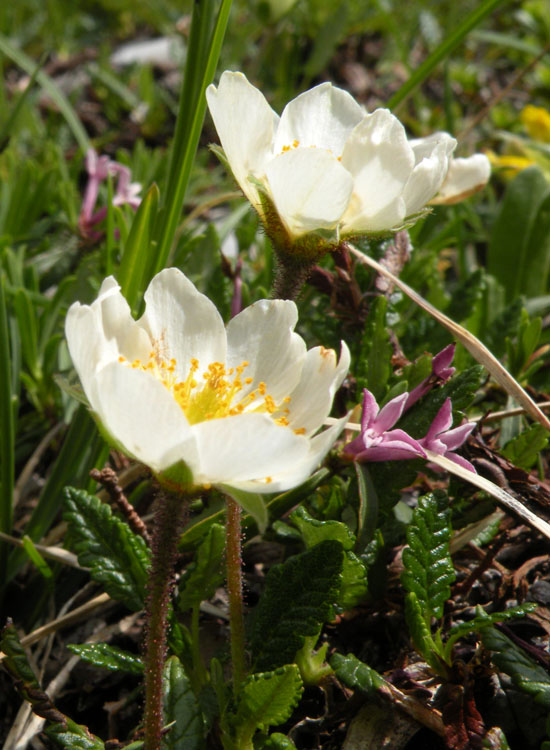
235 590
170 511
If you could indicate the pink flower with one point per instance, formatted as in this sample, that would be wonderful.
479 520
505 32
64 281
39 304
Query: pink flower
441 372
126 192
377 441
443 441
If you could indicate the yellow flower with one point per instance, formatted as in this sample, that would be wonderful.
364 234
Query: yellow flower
537 123
510 164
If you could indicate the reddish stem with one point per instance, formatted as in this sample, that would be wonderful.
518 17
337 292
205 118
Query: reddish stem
170 512
235 590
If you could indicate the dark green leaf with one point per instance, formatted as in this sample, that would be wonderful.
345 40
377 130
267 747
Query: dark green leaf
524 450
62 730
118 558
314 531
513 660
205 574
518 250
108 657
181 707
297 600
373 365
355 674
72 736
16 661
477 624
429 569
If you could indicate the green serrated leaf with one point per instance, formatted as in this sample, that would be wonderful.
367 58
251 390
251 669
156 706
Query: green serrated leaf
298 599
355 674
511 659
275 741
73 736
429 569
205 574
314 531
354 585
62 730
181 707
118 558
108 657
483 620
523 451
418 628
16 661
266 699
466 296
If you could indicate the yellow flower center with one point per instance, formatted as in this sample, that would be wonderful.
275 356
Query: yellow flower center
216 393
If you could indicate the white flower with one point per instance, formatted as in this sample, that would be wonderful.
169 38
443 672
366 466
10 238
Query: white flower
326 164
464 178
237 407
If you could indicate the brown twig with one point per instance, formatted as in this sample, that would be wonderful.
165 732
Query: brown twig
109 480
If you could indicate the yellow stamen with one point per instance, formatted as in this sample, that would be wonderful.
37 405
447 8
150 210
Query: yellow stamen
217 394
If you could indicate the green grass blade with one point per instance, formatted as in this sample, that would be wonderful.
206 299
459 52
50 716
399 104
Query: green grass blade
7 433
5 130
44 80
447 46
139 251
200 67
81 449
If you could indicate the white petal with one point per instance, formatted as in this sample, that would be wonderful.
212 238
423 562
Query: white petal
100 332
464 178
182 323
245 123
432 163
244 448
142 415
310 189
324 116
263 335
380 160
298 471
311 401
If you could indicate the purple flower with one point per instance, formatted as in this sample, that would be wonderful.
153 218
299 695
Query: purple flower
443 441
377 441
126 192
441 372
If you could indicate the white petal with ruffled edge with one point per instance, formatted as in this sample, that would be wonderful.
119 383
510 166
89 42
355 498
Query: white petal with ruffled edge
432 162
263 335
310 189
379 158
100 332
244 448
311 400
182 322
323 117
141 415
464 178
299 470
246 126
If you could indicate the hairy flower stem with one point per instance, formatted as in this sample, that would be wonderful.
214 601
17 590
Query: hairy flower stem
290 278
235 590
170 510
